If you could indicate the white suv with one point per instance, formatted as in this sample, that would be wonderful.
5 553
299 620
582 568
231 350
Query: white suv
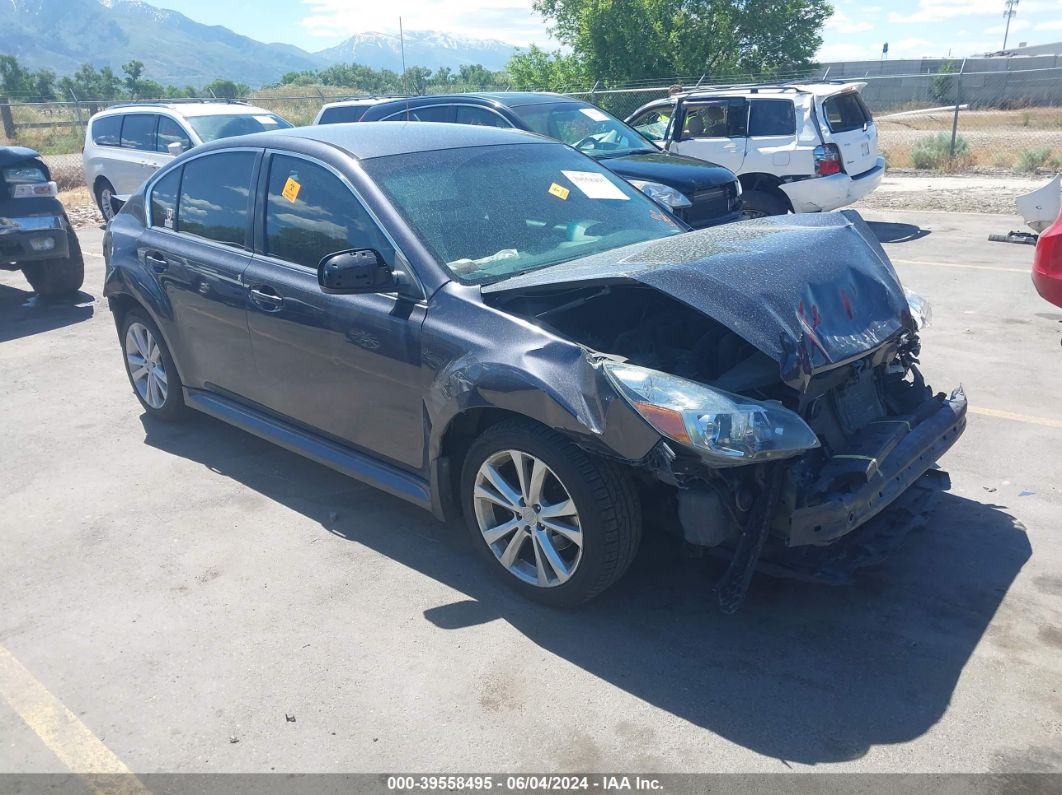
800 148
126 144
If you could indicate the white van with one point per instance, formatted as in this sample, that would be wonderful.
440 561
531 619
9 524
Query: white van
126 144
800 148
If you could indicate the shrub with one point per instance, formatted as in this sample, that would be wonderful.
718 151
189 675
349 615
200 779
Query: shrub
934 153
1033 159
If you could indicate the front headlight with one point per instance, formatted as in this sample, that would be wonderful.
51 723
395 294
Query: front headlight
921 309
727 429
663 194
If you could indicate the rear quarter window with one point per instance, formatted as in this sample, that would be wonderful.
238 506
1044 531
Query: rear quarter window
845 112
107 131
772 117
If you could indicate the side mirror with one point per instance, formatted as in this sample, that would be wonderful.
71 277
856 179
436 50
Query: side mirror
175 148
358 271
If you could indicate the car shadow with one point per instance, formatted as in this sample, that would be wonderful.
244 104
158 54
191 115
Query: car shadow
24 313
888 232
802 673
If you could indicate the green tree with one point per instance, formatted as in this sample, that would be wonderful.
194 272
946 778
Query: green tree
226 89
87 83
543 71
616 41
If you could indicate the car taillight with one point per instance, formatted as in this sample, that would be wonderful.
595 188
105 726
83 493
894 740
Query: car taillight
1048 259
828 160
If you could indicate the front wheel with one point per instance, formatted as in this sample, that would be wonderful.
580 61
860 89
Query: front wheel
557 525
761 203
150 367
104 196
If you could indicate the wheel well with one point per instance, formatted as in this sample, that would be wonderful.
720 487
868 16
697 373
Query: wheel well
98 183
459 435
120 305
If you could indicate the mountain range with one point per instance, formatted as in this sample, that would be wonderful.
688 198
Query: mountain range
63 34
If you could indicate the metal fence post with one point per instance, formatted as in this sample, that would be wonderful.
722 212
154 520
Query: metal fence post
7 119
955 118
77 109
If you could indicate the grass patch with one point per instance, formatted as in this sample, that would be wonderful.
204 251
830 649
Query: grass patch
1033 159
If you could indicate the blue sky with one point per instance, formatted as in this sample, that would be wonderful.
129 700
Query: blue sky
913 28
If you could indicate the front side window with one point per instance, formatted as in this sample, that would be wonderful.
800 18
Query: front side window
107 131
170 132
845 112
486 213
479 117
653 123
138 131
772 117
227 125
310 213
585 127
164 200
214 199
440 113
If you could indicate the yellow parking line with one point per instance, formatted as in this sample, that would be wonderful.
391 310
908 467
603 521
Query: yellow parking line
64 734
1047 422
998 268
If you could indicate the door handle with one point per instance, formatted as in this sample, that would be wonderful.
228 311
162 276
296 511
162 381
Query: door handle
266 298
157 262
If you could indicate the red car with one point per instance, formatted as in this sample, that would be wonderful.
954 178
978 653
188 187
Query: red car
1047 264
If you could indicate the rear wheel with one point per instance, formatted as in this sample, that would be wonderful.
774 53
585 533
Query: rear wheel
150 367
104 194
553 523
761 203
53 277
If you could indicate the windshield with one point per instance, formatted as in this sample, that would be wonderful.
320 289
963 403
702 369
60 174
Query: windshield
487 213
588 129
210 128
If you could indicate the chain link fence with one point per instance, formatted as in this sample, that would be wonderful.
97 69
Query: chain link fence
960 117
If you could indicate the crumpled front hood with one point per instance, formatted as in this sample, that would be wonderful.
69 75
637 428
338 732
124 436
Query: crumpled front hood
12 155
810 291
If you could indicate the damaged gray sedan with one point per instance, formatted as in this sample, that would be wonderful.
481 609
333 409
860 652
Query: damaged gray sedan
488 323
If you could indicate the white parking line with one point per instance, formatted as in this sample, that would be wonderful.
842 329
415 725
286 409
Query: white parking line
998 268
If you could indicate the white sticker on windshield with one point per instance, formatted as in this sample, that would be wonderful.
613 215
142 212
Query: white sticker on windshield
267 120
595 186
594 114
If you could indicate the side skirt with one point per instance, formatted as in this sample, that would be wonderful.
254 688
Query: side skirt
342 459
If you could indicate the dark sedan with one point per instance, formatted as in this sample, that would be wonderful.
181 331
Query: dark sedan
488 323
700 193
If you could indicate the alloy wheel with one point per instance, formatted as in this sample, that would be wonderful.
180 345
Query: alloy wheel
528 518
143 357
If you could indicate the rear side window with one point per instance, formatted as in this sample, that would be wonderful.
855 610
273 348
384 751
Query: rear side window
845 112
170 132
107 131
164 200
772 117
311 213
214 199
138 131
341 114
479 117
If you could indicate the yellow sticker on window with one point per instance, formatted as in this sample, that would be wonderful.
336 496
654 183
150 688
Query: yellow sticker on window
291 190
559 191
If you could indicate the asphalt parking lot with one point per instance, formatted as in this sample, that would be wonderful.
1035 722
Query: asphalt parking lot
185 591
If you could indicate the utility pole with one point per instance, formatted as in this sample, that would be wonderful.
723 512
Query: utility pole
1008 13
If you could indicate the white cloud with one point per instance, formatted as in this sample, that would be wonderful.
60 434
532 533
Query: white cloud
509 20
1054 24
843 23
942 10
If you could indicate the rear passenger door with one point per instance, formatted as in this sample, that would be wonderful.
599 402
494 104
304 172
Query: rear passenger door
347 366
198 247
772 137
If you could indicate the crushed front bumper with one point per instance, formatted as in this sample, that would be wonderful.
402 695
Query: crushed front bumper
839 512
19 233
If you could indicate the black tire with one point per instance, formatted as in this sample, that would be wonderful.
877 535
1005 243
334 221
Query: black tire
103 187
173 408
57 277
760 203
605 498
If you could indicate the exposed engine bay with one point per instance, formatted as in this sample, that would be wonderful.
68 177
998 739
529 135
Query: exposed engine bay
861 411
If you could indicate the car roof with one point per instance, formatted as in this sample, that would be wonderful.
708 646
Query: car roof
366 141
512 99
187 109
356 101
